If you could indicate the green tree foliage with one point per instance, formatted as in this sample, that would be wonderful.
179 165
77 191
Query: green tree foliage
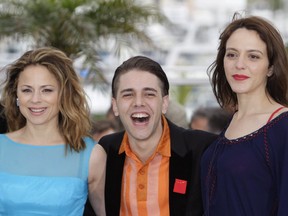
276 4
273 4
79 27
183 92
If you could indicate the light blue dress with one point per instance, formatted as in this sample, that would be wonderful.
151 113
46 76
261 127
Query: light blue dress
43 180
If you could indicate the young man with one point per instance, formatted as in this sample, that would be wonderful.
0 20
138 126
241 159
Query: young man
152 167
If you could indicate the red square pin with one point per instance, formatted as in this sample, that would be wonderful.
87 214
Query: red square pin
180 186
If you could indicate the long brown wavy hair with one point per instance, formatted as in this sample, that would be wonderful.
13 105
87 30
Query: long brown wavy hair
74 116
276 84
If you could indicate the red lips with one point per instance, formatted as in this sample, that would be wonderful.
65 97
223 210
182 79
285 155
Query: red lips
240 77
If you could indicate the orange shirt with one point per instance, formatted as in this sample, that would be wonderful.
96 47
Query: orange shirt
145 187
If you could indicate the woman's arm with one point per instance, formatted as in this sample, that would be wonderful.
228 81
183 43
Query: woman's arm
96 179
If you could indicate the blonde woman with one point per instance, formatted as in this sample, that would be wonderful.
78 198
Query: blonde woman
46 155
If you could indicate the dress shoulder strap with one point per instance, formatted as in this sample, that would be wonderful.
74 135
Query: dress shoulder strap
272 115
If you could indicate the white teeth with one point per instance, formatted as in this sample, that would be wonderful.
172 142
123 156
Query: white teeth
37 110
139 115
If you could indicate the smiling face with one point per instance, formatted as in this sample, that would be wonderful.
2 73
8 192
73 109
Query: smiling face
38 93
246 62
140 104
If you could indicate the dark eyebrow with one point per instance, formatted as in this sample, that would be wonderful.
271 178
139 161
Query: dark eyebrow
251 50
126 90
231 49
258 51
131 90
150 89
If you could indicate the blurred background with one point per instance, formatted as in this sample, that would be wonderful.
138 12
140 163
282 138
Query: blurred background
182 35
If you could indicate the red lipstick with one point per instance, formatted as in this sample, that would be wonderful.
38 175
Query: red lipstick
240 77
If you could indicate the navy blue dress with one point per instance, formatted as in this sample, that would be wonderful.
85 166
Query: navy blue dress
248 176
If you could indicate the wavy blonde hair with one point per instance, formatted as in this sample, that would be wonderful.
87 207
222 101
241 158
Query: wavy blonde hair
74 116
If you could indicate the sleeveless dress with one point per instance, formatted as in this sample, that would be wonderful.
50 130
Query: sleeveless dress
43 180
248 175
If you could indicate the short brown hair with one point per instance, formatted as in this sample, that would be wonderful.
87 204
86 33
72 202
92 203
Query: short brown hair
144 64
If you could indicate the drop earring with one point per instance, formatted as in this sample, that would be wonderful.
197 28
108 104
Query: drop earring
17 102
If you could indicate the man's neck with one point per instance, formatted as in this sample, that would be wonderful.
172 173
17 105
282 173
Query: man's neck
144 150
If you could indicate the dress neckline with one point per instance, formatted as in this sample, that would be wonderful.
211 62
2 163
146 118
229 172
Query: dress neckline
254 133
30 145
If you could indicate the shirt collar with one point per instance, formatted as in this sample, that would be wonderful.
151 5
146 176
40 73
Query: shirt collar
163 147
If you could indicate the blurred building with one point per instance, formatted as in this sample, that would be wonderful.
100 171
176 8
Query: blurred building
185 50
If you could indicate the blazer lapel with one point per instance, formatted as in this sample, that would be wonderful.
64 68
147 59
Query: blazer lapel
180 171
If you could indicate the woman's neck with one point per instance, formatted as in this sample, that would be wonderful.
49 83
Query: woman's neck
37 135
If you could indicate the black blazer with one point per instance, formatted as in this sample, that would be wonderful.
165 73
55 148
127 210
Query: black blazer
3 123
187 147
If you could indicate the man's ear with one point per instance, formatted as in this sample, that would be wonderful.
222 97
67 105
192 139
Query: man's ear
165 104
114 107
